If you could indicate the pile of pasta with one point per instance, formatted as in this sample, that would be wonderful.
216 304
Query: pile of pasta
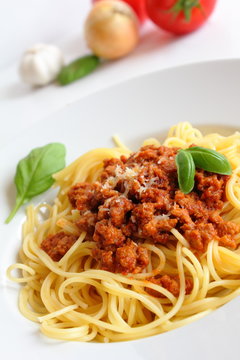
74 300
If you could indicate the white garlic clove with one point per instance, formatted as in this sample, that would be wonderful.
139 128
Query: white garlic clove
41 64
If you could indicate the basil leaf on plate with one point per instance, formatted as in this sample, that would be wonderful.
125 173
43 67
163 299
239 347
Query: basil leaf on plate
78 69
210 160
34 173
185 171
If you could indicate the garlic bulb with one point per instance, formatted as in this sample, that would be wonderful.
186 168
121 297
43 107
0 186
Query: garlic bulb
41 64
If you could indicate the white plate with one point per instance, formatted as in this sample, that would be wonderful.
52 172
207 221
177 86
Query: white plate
205 94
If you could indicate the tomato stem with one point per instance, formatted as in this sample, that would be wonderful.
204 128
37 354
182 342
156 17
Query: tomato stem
186 6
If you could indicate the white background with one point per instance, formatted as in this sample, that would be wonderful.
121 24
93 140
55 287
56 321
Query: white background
60 22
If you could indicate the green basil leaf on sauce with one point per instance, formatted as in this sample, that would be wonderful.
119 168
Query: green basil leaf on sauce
185 170
34 173
78 69
210 160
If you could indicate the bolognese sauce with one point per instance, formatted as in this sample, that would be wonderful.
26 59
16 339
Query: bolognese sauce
137 200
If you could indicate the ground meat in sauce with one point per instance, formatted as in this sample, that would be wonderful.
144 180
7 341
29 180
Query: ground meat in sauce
170 283
137 199
124 259
58 244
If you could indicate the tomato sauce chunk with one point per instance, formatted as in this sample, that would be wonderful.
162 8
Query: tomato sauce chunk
170 283
57 245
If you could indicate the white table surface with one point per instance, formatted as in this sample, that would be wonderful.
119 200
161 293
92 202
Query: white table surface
60 22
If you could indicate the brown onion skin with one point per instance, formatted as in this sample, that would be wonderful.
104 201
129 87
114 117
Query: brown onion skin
111 29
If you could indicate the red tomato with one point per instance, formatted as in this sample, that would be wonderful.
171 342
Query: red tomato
138 6
179 16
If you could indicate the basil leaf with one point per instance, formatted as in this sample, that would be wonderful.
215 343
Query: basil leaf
210 160
34 173
185 170
78 69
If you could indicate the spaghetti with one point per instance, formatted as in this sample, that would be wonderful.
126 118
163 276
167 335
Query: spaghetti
74 299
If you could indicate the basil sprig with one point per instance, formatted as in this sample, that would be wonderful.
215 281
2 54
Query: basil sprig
210 160
34 173
202 158
78 69
185 170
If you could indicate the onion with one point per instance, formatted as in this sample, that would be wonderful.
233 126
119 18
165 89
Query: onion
111 29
